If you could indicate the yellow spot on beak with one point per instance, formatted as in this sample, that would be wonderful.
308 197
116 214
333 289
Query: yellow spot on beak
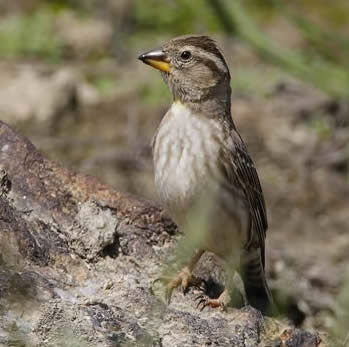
160 65
158 59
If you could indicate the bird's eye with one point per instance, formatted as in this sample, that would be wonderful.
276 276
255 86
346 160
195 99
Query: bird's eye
186 55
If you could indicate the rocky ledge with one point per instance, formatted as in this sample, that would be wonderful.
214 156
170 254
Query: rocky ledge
78 260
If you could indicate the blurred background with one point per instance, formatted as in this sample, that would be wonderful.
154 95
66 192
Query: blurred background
71 82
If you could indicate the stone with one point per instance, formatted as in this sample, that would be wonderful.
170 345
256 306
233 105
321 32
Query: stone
78 260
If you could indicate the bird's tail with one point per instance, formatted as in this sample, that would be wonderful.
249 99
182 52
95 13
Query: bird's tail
256 287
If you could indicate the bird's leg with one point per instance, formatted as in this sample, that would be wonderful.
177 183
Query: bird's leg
222 301
233 291
183 279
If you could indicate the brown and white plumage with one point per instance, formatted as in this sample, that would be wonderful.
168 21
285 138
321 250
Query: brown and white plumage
202 165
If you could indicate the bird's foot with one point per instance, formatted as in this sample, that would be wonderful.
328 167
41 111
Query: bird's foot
204 301
183 279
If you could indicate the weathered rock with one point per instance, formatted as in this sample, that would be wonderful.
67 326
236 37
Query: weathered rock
78 260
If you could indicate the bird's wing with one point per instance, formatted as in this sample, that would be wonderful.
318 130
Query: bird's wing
242 175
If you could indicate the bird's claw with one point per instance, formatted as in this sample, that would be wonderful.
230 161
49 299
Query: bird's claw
205 301
184 280
202 301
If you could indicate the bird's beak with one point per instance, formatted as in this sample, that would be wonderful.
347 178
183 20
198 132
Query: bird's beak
157 59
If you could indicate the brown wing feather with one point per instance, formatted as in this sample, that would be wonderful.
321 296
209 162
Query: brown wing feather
242 172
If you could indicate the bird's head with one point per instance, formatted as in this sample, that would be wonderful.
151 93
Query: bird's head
193 67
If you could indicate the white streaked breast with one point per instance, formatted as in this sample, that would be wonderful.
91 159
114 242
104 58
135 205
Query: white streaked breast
185 155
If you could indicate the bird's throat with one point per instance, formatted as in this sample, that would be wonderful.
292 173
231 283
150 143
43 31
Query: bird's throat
209 108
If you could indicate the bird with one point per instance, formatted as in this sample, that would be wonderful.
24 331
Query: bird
205 177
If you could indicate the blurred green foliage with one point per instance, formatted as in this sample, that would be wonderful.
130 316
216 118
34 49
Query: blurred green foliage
255 80
154 93
334 13
30 35
105 85
321 127
331 77
173 17
322 60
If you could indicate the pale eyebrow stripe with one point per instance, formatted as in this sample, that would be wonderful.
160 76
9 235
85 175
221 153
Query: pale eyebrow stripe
221 66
